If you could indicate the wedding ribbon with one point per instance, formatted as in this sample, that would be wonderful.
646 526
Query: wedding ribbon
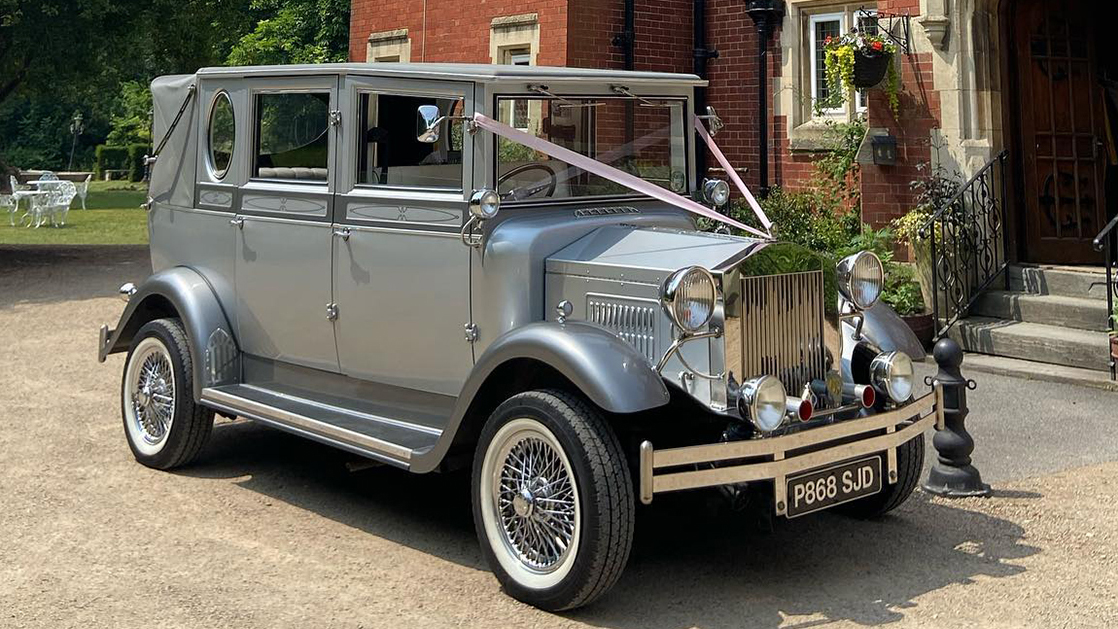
733 174
605 171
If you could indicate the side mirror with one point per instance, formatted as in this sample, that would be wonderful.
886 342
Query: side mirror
428 123
714 123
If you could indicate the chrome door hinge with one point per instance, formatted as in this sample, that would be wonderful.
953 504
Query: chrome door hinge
471 332
331 311
335 117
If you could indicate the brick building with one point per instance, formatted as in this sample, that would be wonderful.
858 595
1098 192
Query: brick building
972 85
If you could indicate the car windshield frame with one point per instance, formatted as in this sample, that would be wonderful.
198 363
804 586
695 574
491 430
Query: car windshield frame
638 102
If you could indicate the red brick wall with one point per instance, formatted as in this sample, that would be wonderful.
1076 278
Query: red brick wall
454 32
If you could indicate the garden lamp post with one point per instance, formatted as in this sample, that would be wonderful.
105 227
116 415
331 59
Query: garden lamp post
76 129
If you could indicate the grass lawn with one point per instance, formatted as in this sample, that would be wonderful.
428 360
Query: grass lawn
113 217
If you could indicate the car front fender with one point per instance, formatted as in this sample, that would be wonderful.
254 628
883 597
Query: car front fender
181 292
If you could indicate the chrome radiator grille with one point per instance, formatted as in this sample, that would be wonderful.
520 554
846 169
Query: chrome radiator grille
633 321
777 329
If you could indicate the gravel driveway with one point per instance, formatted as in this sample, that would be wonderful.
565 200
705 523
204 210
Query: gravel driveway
268 530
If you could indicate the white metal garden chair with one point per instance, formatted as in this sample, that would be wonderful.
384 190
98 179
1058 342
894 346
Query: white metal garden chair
47 175
60 200
8 202
83 189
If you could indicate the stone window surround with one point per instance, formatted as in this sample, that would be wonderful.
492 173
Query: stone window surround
509 33
793 87
393 43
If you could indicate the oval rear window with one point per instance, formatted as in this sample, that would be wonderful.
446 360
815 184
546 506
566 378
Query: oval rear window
222 135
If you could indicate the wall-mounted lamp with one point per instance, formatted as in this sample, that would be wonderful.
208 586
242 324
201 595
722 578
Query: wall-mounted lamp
884 150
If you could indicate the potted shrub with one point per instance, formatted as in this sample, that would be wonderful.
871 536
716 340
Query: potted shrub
1114 332
903 293
858 60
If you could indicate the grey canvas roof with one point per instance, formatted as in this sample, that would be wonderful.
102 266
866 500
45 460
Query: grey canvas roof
460 72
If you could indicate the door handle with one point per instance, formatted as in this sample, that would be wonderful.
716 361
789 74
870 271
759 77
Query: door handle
237 222
342 233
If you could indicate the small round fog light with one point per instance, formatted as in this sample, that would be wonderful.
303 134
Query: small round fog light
763 402
716 192
892 374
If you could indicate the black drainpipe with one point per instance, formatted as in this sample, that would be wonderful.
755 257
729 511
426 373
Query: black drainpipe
627 39
766 15
702 54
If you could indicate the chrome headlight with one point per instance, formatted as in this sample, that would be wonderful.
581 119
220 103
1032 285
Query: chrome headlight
861 278
763 402
688 296
484 204
891 373
716 192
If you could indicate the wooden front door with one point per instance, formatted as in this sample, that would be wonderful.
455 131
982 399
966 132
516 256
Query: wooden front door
1060 108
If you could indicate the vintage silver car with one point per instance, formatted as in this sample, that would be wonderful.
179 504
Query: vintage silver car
499 268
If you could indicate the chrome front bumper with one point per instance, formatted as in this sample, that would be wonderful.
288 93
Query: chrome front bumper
777 458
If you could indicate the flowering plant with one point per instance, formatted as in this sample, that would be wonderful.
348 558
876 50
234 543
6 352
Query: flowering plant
842 53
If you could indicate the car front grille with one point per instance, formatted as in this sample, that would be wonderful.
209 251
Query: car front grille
777 329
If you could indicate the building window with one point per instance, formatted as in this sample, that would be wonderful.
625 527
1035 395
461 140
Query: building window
833 21
389 47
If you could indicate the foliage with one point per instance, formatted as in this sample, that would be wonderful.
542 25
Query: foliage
837 168
297 31
840 55
110 158
902 291
933 191
136 168
131 122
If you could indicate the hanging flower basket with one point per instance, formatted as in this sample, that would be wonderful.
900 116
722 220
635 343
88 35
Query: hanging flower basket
858 61
870 68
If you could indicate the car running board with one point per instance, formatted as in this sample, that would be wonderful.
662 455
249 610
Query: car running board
381 438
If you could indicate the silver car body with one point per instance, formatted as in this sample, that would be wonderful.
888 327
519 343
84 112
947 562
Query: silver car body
355 315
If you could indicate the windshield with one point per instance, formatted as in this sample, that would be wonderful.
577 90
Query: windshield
645 138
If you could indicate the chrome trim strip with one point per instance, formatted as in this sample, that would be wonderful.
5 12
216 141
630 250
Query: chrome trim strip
338 409
262 412
780 466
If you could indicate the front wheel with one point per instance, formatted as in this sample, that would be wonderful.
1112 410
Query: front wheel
910 464
552 500
165 428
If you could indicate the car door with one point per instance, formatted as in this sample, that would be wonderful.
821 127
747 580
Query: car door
401 272
284 249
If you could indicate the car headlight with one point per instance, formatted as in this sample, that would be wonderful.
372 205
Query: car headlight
763 402
891 374
716 192
688 296
861 278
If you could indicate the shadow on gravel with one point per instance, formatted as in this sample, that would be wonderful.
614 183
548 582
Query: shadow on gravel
38 274
692 565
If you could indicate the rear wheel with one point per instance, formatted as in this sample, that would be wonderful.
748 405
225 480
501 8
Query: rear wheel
910 463
163 425
552 500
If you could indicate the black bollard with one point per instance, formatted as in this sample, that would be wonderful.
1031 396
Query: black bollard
952 474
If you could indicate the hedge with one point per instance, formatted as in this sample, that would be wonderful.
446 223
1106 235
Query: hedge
127 158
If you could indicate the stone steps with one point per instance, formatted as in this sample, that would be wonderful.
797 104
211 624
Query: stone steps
1057 310
1051 314
1082 282
1058 345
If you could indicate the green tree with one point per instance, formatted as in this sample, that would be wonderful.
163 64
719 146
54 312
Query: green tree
296 31
131 122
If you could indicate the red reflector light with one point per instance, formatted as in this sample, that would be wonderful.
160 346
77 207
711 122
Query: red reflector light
806 410
869 396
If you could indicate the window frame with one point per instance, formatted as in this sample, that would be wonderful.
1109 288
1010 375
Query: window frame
492 169
355 162
813 59
254 102
216 173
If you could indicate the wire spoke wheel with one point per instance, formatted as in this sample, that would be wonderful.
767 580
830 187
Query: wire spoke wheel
531 506
150 395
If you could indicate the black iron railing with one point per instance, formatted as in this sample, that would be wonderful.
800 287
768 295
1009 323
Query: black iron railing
969 248
1107 242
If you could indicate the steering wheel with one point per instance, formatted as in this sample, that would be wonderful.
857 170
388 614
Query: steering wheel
523 192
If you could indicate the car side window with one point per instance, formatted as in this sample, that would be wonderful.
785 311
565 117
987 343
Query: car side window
390 155
222 135
292 139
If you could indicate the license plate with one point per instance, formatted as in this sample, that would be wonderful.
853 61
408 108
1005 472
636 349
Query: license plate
834 485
